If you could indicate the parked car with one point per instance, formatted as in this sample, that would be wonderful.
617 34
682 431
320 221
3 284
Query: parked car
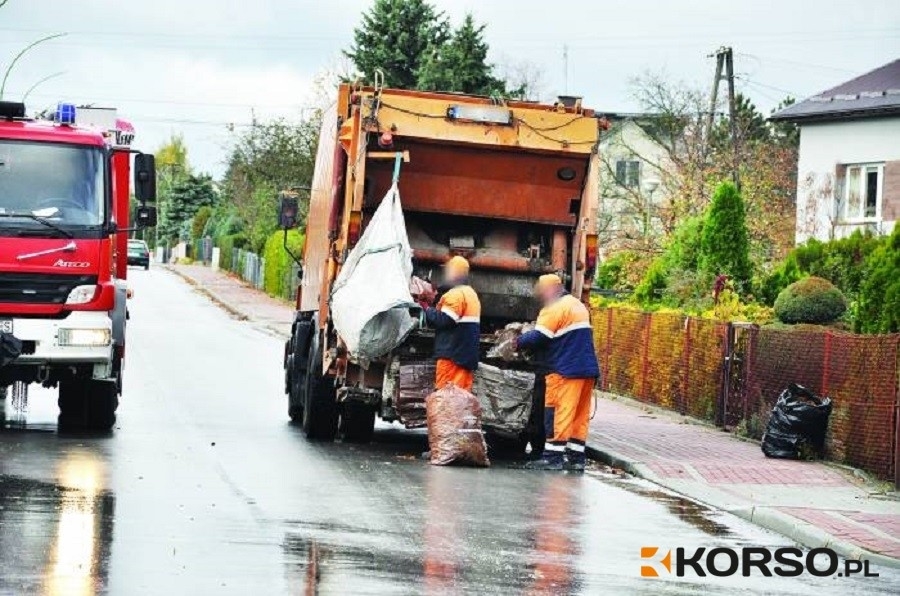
138 253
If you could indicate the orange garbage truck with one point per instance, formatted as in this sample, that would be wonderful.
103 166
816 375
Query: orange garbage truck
511 186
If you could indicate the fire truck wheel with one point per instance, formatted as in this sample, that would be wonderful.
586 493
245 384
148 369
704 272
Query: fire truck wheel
357 423
72 403
320 415
296 365
87 404
102 405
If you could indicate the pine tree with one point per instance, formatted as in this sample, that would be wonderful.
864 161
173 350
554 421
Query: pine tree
461 64
394 37
725 246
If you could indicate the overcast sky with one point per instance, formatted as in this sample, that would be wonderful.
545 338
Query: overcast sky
192 66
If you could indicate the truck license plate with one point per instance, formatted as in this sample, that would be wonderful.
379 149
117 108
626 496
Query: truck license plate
6 325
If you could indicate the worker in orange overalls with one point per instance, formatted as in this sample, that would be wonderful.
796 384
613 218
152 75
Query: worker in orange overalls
563 332
457 323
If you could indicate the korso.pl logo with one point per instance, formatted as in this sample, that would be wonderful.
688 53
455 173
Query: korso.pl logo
747 561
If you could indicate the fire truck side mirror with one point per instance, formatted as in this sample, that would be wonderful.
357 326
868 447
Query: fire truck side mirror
145 216
145 177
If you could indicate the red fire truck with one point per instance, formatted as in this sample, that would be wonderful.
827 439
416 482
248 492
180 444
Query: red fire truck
64 223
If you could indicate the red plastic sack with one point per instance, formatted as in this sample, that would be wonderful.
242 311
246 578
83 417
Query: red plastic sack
454 428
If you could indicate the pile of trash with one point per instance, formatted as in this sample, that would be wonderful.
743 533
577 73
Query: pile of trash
416 382
505 396
454 428
505 346
799 420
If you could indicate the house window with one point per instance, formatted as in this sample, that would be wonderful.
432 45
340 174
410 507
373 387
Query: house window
628 173
862 196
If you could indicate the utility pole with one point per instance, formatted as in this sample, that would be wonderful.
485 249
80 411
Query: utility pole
724 62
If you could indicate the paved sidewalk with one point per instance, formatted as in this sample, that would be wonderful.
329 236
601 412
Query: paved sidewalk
813 503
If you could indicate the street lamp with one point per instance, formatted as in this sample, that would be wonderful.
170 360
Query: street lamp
650 187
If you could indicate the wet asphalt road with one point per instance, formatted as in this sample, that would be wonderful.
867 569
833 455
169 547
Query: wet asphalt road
204 488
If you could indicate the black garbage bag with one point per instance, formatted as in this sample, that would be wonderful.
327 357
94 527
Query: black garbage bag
799 418
10 348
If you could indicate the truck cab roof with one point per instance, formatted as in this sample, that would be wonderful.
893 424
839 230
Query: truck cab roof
50 132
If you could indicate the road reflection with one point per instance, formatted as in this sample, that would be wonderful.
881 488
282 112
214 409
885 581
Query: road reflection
59 534
555 546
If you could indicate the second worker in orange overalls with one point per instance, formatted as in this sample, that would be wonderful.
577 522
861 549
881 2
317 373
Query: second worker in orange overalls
563 334
457 323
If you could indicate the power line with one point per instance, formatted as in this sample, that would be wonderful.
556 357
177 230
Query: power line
204 104
772 87
264 43
795 63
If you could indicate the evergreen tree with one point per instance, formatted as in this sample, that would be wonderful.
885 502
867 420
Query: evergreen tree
461 65
395 36
185 199
724 245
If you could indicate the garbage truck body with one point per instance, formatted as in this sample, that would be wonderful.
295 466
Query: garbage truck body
64 217
511 186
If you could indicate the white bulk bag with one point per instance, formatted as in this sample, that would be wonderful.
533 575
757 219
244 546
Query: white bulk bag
370 299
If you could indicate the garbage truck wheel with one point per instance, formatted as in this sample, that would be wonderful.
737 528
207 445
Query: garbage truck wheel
296 365
320 414
357 423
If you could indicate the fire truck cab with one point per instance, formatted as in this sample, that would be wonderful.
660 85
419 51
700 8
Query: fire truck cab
64 226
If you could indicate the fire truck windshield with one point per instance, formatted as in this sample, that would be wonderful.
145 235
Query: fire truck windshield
62 185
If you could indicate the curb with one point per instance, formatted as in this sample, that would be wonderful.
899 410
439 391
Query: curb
209 294
794 529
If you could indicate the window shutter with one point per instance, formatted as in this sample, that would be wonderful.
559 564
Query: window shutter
890 192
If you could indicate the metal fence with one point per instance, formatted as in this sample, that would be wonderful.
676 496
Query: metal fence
248 266
731 374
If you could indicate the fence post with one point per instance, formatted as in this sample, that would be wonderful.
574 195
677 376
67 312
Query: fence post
261 274
725 377
608 355
686 365
645 355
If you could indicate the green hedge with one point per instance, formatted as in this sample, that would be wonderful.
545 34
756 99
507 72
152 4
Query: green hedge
226 244
878 308
810 300
278 263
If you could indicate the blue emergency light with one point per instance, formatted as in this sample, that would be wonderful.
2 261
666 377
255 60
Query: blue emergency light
65 113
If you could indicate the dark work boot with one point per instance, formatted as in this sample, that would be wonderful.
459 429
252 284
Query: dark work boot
575 461
550 460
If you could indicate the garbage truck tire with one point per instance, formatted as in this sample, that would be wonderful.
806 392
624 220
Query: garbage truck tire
357 423
296 366
320 414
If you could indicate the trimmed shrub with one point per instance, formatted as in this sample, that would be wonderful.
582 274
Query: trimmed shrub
878 307
810 300
725 244
786 273
278 261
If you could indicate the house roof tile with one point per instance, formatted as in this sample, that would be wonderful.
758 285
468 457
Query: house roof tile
875 93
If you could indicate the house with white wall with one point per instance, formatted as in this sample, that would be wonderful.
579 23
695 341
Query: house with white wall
632 192
848 173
